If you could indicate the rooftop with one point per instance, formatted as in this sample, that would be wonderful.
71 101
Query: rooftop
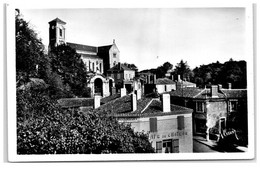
164 81
57 20
121 107
81 47
193 92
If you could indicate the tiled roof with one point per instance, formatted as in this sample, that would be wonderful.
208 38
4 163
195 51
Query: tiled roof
206 93
235 93
57 20
164 81
186 92
121 107
81 47
109 98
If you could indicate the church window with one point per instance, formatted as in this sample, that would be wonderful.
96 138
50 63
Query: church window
114 55
60 32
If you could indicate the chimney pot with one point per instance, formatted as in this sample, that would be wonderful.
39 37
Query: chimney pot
97 101
133 102
214 91
229 86
166 103
179 78
122 92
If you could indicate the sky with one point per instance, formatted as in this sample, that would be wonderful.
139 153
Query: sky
150 37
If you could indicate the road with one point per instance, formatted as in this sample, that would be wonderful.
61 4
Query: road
199 147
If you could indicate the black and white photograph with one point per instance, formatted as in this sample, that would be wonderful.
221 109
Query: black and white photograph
104 84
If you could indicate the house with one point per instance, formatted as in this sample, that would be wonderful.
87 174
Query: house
124 77
214 109
169 126
184 83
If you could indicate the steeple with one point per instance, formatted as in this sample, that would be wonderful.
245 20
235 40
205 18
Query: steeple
56 32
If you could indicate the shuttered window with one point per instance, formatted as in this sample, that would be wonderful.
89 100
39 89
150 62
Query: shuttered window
153 124
180 120
175 146
159 147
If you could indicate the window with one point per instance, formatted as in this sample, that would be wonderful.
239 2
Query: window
159 147
100 67
114 55
167 146
175 146
180 121
233 106
165 88
200 107
153 124
118 75
93 66
60 32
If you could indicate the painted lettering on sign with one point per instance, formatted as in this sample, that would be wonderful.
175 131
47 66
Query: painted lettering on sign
167 135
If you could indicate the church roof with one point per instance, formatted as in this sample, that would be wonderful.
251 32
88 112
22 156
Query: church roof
57 20
104 48
81 47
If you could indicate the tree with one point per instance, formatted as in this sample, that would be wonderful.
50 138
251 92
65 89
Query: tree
162 70
44 128
216 73
67 63
31 60
182 68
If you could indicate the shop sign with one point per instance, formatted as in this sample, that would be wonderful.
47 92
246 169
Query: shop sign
167 135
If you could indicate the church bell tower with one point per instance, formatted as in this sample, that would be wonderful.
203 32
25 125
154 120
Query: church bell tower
56 33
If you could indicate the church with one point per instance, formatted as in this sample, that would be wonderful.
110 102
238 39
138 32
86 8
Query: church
98 59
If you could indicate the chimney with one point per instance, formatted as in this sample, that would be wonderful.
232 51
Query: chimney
133 102
179 78
214 91
154 78
97 101
138 94
148 79
219 87
229 86
122 92
166 103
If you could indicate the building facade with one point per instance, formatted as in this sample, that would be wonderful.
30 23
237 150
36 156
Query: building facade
169 126
215 109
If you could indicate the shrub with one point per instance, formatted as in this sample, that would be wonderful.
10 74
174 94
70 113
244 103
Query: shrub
43 128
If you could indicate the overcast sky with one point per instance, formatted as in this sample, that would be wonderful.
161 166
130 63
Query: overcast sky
150 37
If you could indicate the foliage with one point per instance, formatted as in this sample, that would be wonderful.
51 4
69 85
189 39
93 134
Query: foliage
216 73
43 128
162 70
31 60
182 68
67 63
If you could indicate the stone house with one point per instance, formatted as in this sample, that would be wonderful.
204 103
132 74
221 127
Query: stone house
215 109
